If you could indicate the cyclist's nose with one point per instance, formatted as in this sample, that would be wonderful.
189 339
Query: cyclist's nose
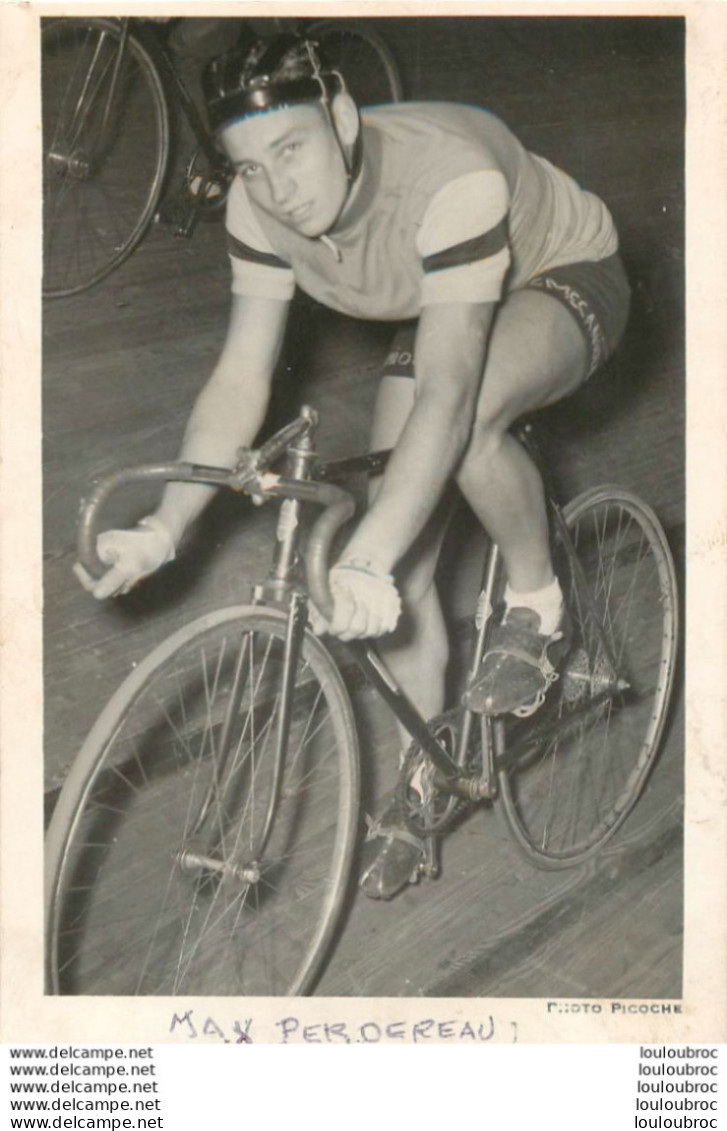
282 188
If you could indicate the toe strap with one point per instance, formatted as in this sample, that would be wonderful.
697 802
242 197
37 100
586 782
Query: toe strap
391 832
541 663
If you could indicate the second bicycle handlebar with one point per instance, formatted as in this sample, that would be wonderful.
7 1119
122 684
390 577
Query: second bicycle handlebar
339 507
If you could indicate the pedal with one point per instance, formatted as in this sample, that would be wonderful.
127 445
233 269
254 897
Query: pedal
186 226
430 865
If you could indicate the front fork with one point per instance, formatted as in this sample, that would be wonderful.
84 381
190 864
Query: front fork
209 854
277 589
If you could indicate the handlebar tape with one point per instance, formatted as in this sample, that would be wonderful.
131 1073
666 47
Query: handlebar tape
339 507
124 477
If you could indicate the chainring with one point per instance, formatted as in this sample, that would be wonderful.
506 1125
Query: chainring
428 810
207 187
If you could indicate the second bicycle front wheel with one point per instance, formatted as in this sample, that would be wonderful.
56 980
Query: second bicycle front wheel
363 58
186 854
105 150
578 766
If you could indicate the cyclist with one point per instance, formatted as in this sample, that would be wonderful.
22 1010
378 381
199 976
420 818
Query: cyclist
505 280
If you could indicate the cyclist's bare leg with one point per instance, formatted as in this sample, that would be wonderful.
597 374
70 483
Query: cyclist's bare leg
536 356
417 651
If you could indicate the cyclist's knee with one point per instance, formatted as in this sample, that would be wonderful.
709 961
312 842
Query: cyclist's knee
484 446
421 609
420 640
416 584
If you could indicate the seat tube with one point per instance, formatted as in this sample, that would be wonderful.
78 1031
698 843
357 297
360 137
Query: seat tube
483 616
485 605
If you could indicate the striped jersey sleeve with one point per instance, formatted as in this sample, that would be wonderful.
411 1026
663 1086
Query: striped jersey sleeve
463 240
256 269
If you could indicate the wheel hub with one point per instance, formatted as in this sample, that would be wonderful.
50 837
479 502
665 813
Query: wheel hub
581 679
76 164
191 861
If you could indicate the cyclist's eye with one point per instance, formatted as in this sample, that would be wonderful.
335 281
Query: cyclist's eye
249 171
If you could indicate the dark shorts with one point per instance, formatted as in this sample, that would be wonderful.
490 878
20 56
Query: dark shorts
596 294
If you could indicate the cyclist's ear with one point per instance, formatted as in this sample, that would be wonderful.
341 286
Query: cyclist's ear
345 118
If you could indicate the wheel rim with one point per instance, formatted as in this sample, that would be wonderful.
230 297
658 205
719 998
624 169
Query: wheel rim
172 877
580 764
102 175
364 60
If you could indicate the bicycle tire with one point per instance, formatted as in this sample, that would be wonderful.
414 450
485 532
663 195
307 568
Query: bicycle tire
134 901
587 753
104 160
364 58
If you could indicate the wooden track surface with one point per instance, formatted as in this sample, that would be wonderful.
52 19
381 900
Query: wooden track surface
122 364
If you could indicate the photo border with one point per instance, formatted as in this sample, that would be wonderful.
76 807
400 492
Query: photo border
27 1014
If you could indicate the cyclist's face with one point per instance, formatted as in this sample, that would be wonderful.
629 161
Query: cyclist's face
292 166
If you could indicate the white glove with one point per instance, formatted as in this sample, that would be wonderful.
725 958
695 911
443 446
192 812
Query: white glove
132 555
365 602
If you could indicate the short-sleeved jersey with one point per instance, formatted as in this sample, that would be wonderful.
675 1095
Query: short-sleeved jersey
448 207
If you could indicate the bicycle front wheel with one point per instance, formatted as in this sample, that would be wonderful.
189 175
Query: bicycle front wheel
105 150
363 58
581 762
187 853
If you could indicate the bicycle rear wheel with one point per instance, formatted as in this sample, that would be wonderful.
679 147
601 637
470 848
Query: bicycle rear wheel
363 58
178 862
578 766
105 150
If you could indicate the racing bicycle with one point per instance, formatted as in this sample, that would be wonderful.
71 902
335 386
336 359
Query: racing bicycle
111 95
204 840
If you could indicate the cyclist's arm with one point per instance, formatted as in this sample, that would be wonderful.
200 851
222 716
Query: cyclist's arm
465 254
231 407
228 414
451 347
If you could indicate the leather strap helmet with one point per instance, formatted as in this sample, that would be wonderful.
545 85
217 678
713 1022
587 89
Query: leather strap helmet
272 74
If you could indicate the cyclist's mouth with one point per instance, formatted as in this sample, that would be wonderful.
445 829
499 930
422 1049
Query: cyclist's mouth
300 214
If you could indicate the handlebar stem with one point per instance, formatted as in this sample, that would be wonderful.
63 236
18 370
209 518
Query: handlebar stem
301 458
251 477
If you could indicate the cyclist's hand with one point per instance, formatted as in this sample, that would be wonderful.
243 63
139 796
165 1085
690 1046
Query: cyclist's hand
365 602
132 555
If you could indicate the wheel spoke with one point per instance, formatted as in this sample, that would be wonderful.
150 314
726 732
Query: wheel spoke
176 874
583 760
105 147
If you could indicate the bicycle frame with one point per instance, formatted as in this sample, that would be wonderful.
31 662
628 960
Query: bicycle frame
450 775
307 483
174 85
173 81
239 728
